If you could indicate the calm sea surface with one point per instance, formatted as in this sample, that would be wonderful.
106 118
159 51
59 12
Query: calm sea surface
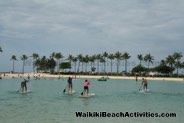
47 104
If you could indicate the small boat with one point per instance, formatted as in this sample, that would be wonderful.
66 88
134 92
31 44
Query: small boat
102 79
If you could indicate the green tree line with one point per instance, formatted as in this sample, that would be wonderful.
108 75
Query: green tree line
85 63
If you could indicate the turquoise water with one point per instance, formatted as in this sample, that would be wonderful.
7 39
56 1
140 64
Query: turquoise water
47 104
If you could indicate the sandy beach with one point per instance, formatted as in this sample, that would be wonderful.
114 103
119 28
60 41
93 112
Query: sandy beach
44 75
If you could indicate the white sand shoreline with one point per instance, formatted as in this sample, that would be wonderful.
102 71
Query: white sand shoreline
43 75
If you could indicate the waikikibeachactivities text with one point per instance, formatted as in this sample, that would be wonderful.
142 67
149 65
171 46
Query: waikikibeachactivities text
123 114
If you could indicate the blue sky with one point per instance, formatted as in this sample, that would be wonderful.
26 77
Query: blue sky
90 27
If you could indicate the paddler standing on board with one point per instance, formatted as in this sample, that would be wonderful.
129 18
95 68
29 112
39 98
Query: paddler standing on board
24 85
70 87
145 84
86 88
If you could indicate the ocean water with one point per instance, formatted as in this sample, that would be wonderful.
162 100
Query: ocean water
47 104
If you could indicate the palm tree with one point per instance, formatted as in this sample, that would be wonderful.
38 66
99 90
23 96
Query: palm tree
163 62
126 56
177 57
182 65
86 61
98 58
35 57
102 60
111 57
105 55
149 59
13 58
42 63
70 58
140 57
170 61
58 56
92 60
75 62
23 58
53 55
118 57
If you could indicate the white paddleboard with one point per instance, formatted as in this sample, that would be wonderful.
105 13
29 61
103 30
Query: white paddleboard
23 92
145 91
73 92
88 95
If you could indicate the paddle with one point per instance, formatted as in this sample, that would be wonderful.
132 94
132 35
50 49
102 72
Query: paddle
82 93
140 87
21 87
65 89
19 90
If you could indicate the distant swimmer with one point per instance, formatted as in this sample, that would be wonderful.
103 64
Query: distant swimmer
86 88
24 85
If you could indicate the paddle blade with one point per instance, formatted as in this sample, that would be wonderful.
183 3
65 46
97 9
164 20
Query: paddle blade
82 93
64 90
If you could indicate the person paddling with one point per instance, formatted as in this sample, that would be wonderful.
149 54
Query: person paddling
70 84
24 85
145 84
86 88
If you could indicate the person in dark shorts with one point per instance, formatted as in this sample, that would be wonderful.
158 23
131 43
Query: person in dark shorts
24 85
145 84
70 84
86 88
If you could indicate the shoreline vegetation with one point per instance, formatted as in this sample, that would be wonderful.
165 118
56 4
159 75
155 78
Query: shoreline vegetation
113 64
62 76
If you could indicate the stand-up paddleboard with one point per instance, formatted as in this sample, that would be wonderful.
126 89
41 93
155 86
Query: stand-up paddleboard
73 92
87 95
145 91
23 92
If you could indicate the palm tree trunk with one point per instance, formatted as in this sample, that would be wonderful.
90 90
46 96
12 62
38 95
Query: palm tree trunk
111 66
117 66
13 66
78 67
125 66
58 66
82 66
71 65
75 66
86 67
23 67
141 62
98 66
91 65
104 65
